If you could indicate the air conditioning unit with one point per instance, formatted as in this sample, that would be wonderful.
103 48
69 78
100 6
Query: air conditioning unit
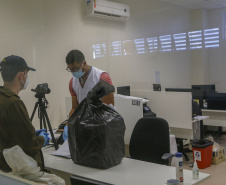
107 9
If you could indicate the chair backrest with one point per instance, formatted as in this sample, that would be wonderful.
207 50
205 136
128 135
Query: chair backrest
78 180
150 140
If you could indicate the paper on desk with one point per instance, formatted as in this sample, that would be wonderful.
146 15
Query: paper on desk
63 150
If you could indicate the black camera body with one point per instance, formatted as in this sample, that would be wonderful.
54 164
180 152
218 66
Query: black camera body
41 89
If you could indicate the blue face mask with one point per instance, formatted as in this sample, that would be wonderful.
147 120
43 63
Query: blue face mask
78 74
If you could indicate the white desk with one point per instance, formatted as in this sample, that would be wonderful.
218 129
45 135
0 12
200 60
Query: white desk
10 179
129 172
216 117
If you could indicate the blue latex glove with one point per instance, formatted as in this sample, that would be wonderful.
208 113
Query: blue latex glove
45 135
65 133
37 132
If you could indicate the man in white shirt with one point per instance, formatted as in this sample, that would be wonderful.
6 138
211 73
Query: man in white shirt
84 78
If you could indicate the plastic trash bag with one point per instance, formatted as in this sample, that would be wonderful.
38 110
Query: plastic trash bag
26 167
216 146
96 131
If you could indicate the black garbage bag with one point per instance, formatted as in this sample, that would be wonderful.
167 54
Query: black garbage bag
96 131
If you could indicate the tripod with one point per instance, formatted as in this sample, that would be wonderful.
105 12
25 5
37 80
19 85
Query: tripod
43 116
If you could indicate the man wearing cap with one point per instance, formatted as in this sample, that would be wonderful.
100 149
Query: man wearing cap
15 125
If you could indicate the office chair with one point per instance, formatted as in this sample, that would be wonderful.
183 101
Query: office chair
78 180
150 140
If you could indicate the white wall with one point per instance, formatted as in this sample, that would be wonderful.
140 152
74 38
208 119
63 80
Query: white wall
44 31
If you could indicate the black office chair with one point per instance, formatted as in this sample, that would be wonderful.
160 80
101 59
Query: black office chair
78 180
150 140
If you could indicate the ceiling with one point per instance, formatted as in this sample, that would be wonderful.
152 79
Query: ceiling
196 4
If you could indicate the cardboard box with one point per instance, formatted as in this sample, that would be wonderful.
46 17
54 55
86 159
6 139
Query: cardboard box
218 156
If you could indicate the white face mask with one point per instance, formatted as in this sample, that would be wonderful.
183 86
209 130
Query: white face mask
26 83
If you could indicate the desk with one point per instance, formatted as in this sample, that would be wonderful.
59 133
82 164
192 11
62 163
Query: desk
216 117
10 179
129 172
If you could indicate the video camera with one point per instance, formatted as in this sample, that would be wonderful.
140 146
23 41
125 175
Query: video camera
41 89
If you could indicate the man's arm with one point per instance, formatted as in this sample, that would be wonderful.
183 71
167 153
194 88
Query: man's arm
109 99
73 98
74 105
22 130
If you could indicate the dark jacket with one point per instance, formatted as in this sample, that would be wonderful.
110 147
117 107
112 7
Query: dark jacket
16 128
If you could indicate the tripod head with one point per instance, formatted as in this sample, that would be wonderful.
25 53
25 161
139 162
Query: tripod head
41 90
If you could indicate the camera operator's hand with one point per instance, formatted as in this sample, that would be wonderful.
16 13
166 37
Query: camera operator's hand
65 133
45 135
37 132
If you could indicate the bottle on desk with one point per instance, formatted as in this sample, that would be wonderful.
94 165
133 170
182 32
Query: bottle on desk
195 171
179 167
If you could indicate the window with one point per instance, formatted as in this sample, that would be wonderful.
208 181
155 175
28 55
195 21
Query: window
211 37
180 40
195 39
116 48
208 38
166 43
99 50
140 46
152 44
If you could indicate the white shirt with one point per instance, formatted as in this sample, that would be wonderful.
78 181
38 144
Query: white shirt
92 79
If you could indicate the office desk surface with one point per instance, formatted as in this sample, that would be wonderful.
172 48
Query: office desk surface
216 117
129 172
11 179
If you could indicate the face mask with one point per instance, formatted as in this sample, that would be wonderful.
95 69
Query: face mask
25 84
78 74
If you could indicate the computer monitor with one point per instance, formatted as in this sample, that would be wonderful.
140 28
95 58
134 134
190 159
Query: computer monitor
200 92
124 90
216 101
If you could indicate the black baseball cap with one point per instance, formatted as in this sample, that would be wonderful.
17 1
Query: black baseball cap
17 62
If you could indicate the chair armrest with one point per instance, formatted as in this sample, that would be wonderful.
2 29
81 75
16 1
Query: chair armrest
167 156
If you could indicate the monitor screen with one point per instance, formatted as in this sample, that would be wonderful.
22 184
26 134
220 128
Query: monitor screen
124 90
200 91
216 101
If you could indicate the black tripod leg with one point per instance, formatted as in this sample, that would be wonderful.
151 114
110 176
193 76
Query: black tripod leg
41 118
44 120
33 113
50 128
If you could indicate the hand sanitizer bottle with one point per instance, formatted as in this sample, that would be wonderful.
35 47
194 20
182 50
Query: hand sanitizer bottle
179 167
195 171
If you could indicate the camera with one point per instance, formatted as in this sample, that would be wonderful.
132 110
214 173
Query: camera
41 89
